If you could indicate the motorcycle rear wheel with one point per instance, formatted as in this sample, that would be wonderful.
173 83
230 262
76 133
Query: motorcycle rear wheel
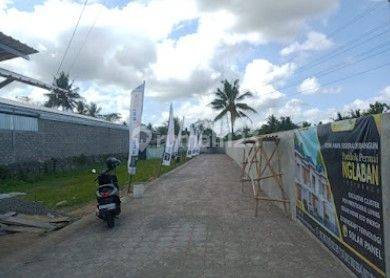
110 220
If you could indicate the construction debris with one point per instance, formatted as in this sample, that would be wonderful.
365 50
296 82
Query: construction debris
11 195
62 203
11 222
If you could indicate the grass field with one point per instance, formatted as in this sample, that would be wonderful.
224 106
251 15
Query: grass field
77 188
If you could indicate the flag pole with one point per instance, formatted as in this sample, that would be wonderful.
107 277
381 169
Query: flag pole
161 161
129 185
135 122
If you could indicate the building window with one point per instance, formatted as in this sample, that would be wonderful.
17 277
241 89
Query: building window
313 181
306 175
298 171
18 123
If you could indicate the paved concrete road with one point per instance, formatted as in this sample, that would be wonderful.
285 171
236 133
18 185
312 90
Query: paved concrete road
193 222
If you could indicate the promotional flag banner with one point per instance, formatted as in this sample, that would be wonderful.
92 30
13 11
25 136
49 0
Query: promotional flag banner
178 139
190 143
170 141
135 116
196 144
199 143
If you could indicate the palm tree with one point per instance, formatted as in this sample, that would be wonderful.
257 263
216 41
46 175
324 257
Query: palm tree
64 99
228 99
112 117
377 108
81 107
94 110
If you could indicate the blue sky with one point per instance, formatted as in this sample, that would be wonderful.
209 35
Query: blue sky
184 48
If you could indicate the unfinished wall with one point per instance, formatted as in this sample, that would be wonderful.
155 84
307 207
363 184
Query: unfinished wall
286 150
235 151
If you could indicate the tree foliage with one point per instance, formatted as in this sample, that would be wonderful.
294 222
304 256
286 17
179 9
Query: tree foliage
375 108
66 100
112 117
81 107
94 110
229 100
274 124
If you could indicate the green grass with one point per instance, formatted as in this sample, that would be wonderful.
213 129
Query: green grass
77 187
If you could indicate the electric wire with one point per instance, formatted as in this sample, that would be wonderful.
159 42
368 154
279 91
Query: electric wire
367 11
343 78
82 45
71 38
337 68
340 49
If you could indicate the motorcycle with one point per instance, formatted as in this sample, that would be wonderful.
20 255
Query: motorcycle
108 201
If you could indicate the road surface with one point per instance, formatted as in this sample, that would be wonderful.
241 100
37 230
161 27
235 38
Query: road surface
192 222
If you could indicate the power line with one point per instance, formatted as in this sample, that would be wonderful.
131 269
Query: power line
71 38
324 73
344 78
341 50
378 47
341 79
82 45
368 10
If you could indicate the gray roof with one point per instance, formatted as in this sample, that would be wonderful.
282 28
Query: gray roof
28 109
11 48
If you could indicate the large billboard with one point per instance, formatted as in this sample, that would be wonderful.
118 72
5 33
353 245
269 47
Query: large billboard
339 191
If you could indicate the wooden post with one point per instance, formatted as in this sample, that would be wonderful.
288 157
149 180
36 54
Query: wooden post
263 162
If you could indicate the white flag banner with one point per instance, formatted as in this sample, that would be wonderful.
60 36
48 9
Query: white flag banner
170 141
190 143
135 117
195 144
178 139
199 143
197 148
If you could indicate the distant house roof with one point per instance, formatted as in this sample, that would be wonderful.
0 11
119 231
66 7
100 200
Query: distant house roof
28 109
11 48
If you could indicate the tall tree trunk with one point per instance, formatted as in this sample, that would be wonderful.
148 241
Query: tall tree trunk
232 124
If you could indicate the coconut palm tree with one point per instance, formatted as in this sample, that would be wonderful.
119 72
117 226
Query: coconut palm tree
93 110
112 117
64 99
81 107
228 100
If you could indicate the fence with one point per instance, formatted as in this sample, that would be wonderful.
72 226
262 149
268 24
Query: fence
335 192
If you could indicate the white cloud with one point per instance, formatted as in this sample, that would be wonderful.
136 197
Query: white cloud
311 86
178 59
279 20
133 43
300 111
198 109
384 95
314 42
363 104
260 77
4 4
118 51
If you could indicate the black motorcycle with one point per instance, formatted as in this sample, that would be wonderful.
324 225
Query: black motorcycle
109 204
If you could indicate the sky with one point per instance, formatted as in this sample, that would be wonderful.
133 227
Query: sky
300 58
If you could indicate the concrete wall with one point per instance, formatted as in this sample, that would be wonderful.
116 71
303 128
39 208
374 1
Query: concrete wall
235 151
385 157
286 150
59 140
